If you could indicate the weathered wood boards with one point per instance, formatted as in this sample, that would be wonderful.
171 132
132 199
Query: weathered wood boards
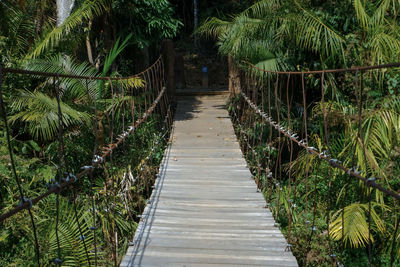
205 209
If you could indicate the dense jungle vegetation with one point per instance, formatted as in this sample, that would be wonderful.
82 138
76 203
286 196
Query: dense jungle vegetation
95 38
301 35
98 38
122 37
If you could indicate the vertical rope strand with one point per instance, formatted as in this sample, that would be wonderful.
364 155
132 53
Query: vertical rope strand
290 201
326 137
278 186
23 200
58 260
91 178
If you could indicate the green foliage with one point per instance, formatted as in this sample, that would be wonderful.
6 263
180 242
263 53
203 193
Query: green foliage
302 31
356 225
150 21
316 194
40 112
134 82
53 34
64 64
16 32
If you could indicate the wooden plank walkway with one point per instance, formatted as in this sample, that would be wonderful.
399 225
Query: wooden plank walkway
205 209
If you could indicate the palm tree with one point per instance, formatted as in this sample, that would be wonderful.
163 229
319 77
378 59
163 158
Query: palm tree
284 27
38 109
53 34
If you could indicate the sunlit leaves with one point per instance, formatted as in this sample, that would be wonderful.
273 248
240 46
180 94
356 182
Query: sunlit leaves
40 112
356 226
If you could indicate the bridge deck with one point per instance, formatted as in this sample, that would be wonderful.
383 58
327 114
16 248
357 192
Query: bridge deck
204 209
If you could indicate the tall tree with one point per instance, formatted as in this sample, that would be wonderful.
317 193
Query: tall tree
64 8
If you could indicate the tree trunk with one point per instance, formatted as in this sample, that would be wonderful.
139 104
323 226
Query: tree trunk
146 57
168 53
64 8
233 76
180 80
88 45
196 20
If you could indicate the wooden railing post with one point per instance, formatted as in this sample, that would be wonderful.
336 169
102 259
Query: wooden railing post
233 75
168 53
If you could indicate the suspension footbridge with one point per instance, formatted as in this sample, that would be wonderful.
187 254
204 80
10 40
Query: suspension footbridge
222 157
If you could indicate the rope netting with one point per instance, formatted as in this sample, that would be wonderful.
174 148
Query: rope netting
305 150
128 121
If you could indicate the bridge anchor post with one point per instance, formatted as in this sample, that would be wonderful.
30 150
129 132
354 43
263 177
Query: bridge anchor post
168 52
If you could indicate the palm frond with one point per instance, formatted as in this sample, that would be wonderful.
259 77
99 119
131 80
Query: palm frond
21 30
314 34
380 13
114 52
71 240
355 223
214 27
362 16
63 64
88 10
41 113
262 8
384 47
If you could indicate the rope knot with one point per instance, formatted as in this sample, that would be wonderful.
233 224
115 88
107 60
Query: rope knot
71 177
25 200
324 154
55 186
311 148
87 167
334 162
371 180
354 170
97 159
303 142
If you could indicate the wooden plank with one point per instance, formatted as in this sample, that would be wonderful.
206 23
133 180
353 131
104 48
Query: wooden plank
205 209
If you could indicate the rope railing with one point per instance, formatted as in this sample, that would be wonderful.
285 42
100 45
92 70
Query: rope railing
147 107
265 122
353 69
80 77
